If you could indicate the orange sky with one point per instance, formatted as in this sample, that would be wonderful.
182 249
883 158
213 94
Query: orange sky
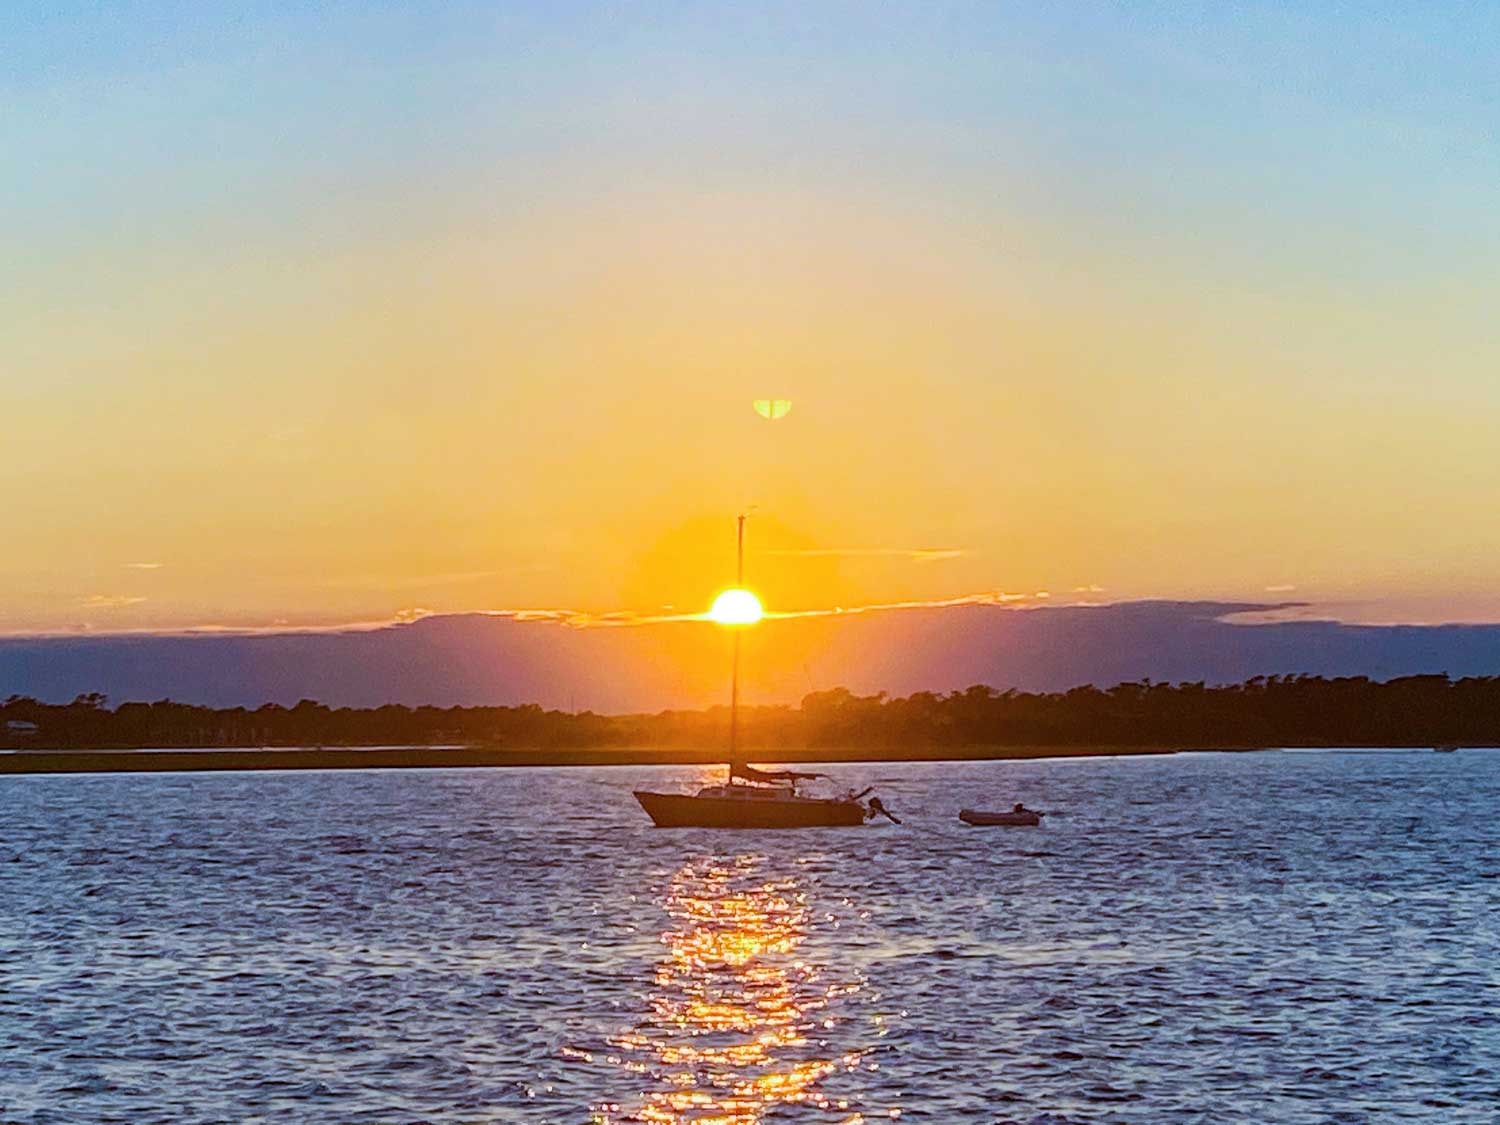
353 360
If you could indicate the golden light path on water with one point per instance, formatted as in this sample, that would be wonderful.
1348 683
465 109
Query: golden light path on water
737 1021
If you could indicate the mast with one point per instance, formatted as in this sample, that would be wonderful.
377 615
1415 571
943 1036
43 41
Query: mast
734 679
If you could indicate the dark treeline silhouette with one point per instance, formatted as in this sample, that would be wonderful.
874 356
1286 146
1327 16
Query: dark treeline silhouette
1265 711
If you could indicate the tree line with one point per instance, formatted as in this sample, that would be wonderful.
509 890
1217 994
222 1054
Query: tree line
1295 710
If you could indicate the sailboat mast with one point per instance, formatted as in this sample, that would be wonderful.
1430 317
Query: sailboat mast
739 551
734 679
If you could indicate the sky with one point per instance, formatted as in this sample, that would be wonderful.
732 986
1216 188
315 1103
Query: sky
318 314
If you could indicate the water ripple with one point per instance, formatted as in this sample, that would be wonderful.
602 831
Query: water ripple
1270 937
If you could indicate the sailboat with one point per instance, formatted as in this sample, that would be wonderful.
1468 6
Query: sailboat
755 798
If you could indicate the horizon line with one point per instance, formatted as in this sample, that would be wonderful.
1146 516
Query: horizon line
1231 611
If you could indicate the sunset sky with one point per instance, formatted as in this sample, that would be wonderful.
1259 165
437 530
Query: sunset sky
328 313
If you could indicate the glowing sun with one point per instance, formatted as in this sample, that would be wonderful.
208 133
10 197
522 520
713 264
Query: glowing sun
736 607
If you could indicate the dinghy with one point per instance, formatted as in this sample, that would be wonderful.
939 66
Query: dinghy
1017 817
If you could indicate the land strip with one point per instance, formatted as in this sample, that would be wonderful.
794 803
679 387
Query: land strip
424 757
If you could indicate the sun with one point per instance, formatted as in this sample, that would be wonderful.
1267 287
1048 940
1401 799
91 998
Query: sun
736 607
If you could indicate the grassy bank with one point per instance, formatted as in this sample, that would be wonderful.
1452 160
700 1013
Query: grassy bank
421 757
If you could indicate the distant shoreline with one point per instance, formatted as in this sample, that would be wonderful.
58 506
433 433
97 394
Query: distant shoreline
977 723
425 757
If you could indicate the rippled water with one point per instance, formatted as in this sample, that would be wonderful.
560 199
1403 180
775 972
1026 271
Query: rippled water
1214 938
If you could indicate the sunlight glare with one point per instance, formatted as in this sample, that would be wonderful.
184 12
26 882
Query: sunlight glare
736 607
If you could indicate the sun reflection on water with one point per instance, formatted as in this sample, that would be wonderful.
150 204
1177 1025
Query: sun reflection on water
737 1022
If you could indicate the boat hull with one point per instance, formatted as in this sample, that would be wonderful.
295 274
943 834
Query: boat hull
1000 819
679 810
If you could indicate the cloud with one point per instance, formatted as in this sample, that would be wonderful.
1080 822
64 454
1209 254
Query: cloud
913 554
990 597
1091 588
144 566
627 618
1284 588
467 658
409 582
568 618
593 619
1280 613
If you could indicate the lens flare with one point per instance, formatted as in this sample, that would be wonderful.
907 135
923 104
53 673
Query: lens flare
736 607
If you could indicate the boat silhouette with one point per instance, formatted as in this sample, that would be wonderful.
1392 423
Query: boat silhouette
755 798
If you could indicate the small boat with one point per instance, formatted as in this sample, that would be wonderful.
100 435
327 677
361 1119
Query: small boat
1014 818
1445 748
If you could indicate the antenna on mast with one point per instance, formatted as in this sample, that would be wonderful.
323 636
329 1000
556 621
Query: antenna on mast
734 680
739 550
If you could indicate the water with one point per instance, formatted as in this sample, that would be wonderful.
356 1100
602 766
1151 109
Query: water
1200 938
